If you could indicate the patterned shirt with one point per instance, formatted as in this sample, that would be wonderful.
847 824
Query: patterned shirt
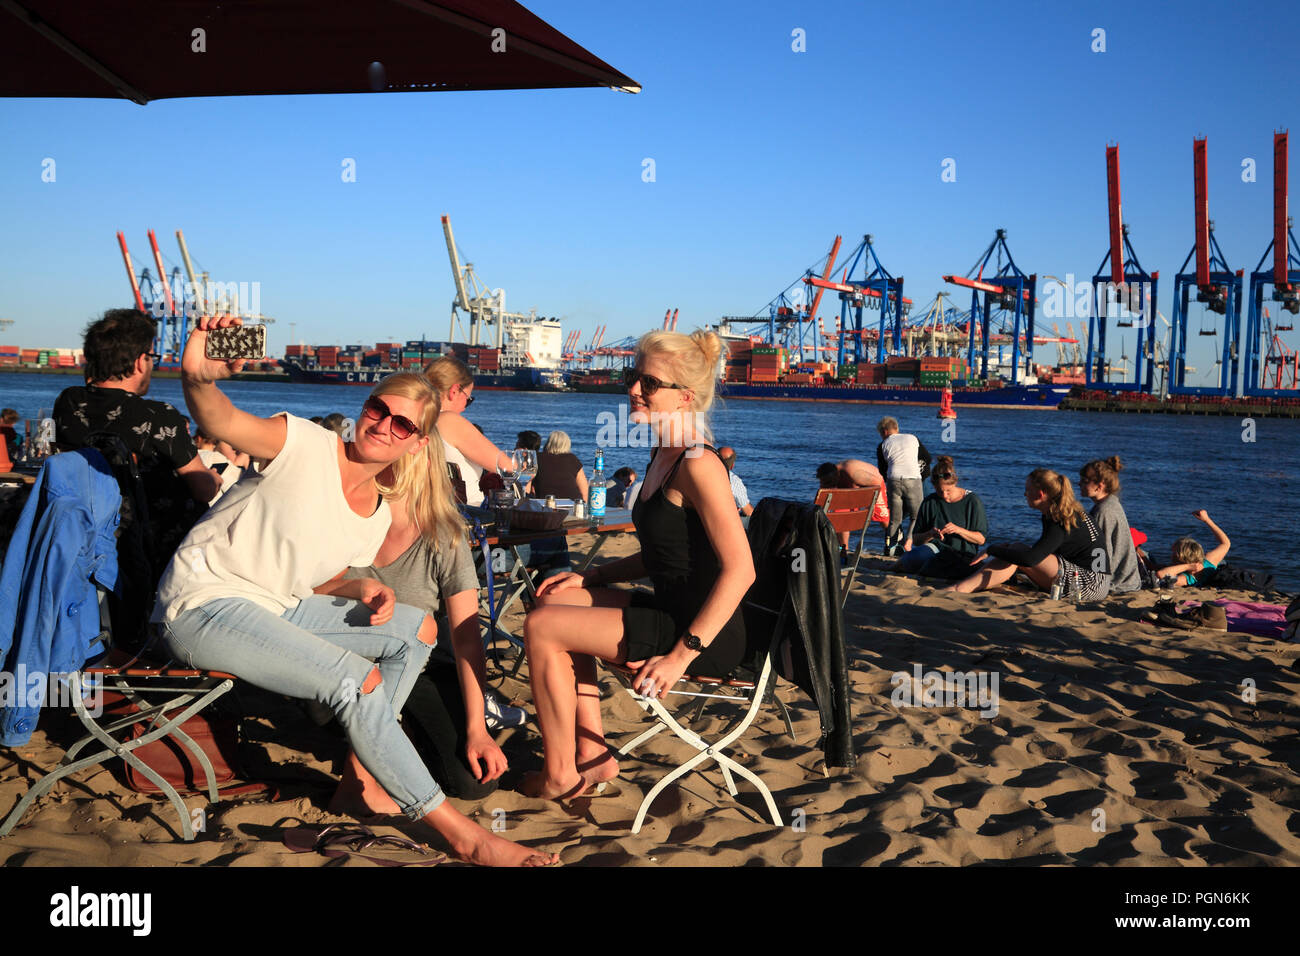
158 436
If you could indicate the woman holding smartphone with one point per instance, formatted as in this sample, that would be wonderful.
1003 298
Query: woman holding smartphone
257 587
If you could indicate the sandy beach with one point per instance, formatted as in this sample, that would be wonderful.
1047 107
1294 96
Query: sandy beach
1114 742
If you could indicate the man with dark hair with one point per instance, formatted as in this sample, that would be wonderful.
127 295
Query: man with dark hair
529 440
119 368
617 487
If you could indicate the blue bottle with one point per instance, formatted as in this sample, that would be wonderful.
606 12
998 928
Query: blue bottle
596 492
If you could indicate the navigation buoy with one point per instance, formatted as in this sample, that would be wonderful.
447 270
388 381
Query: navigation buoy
945 404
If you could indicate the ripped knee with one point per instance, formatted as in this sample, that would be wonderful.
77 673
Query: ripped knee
373 680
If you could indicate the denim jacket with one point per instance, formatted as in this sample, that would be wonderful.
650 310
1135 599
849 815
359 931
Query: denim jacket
64 543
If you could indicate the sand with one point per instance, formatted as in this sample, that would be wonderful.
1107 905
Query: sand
1114 742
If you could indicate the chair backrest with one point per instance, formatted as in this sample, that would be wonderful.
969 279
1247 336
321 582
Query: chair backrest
139 562
849 509
776 550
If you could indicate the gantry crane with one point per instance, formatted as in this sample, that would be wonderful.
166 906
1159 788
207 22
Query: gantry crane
1284 278
1127 293
1216 285
1007 289
877 289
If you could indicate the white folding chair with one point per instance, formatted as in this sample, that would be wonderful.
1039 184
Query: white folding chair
750 694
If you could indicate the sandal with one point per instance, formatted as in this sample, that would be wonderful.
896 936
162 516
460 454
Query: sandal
341 840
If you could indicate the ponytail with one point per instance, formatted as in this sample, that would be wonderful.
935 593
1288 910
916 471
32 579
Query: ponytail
1064 507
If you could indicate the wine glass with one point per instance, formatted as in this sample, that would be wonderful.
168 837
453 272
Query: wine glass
509 472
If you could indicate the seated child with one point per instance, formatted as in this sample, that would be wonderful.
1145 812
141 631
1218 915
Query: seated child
1190 560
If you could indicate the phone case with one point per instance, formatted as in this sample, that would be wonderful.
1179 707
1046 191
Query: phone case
236 342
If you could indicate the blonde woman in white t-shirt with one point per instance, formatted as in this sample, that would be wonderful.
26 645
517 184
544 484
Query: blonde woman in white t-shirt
255 587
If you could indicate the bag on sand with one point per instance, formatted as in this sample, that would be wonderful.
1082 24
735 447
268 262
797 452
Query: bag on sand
217 735
1227 576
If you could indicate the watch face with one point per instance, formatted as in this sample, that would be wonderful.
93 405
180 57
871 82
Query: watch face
693 642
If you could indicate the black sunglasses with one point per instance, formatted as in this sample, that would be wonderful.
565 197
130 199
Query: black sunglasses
156 356
469 399
944 475
649 384
401 426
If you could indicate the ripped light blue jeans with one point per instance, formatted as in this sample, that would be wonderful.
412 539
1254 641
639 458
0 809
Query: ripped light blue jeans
324 649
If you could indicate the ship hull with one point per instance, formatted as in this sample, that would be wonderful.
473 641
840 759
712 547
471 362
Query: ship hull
1008 396
519 380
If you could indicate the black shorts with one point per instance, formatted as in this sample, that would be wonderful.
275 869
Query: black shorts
650 630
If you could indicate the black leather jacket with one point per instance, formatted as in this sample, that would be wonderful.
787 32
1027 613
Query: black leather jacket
796 555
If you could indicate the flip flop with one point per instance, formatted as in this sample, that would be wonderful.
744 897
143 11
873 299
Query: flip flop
340 840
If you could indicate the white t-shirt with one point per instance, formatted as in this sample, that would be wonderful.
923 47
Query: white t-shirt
902 456
469 472
275 535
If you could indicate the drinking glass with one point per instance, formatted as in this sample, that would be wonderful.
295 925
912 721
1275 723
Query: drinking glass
510 474
502 502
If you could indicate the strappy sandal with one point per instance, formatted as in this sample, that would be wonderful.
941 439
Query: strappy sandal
341 840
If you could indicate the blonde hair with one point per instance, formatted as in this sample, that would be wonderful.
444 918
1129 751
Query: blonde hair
695 360
1104 473
1064 508
420 479
887 424
557 443
443 373
1188 551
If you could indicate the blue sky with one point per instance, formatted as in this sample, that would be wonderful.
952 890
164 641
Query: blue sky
762 155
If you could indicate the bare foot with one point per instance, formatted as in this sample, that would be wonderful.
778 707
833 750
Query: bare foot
541 787
598 770
473 844
488 849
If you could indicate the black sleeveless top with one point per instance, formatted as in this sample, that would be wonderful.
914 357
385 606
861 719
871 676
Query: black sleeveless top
678 555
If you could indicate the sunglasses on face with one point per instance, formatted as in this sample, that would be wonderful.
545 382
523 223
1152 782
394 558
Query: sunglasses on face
156 356
469 399
649 384
401 427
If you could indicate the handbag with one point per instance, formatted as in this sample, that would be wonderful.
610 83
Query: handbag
216 735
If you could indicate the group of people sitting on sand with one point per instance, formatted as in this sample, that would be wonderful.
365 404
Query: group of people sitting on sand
1080 555
321 573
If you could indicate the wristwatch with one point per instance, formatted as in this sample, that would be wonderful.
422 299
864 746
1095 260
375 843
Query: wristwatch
692 642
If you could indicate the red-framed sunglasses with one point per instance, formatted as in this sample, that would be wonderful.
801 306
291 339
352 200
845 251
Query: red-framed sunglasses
401 426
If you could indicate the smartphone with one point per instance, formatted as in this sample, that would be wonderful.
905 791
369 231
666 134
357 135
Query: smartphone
237 342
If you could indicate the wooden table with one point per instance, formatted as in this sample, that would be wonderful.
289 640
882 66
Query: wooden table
18 477
518 580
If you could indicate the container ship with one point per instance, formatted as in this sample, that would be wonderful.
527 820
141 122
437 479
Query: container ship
768 372
516 369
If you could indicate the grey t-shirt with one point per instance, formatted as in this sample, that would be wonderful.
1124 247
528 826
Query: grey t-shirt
421 576
1112 524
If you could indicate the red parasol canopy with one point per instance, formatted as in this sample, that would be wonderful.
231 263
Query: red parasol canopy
155 49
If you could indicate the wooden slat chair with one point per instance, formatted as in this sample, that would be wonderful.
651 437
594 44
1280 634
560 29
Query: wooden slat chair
160 695
849 509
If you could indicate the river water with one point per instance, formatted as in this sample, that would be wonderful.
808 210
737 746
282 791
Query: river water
1244 473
